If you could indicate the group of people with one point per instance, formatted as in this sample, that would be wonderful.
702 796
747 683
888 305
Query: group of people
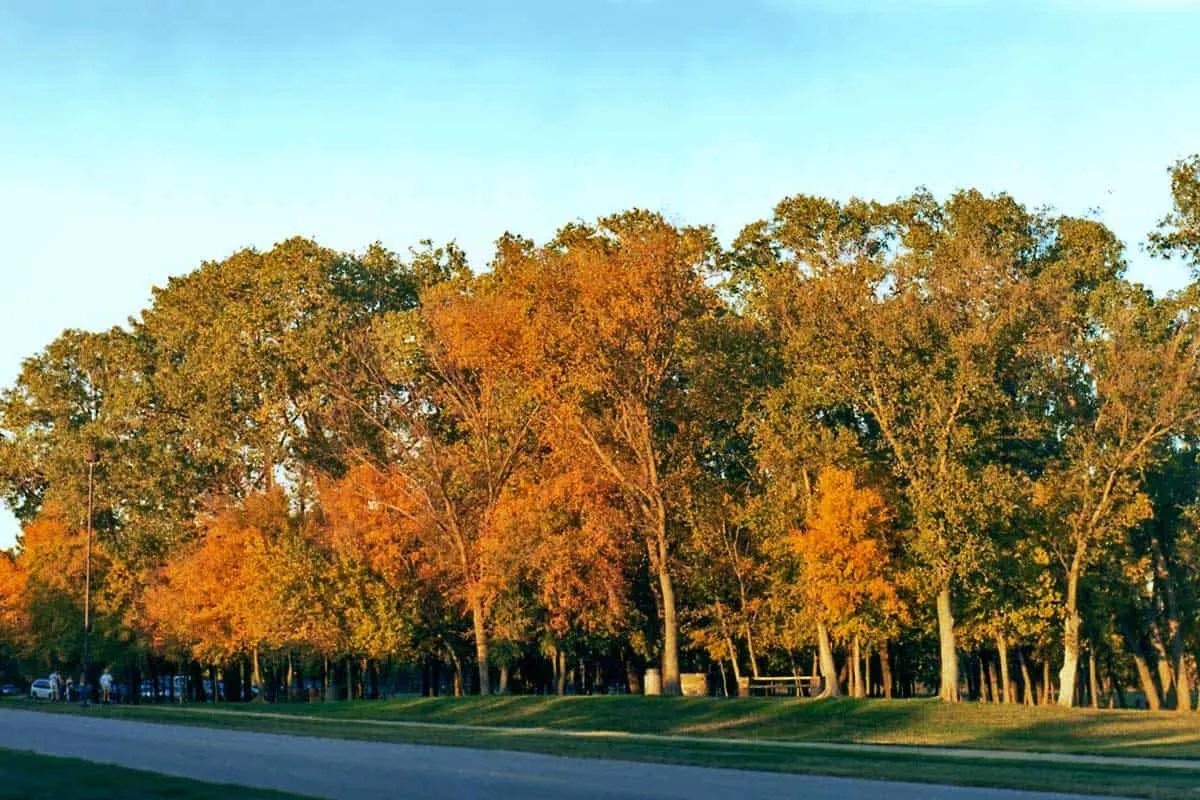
64 690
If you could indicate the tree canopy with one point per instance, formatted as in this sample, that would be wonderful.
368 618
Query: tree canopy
925 445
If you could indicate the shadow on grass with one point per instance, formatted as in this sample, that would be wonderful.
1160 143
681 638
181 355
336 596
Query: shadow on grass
901 722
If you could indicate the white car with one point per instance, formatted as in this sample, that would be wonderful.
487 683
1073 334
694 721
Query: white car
40 690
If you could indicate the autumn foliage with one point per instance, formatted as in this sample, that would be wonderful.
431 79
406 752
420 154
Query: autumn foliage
918 446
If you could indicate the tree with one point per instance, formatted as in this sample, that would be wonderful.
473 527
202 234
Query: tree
899 324
1142 375
611 309
218 597
847 568
462 427
1178 233
15 628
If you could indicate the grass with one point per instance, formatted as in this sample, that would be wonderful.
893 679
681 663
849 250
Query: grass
754 721
34 777
908 722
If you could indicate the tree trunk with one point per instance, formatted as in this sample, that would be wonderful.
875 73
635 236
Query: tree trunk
256 676
1006 695
1112 685
458 673
560 671
737 671
1183 681
829 678
1047 686
1026 678
670 651
750 651
949 655
503 688
994 682
1146 679
1165 666
481 643
867 674
291 677
885 667
1093 678
1070 667
856 674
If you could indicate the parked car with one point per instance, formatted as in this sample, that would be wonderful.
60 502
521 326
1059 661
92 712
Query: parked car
40 690
165 689
9 690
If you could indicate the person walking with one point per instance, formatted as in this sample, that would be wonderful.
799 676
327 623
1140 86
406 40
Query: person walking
106 686
68 688
54 686
85 691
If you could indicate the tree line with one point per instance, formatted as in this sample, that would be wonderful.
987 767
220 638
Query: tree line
941 444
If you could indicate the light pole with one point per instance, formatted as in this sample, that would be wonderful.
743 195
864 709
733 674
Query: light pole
91 457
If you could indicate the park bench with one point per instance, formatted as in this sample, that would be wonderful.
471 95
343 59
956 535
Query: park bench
784 685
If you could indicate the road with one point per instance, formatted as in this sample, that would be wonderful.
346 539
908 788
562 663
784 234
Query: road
338 768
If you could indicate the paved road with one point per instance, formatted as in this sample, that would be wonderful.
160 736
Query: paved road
337 768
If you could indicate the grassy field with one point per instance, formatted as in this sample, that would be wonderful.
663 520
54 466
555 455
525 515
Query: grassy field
754 723
33 777
909 722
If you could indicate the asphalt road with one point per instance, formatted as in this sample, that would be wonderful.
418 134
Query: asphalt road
338 768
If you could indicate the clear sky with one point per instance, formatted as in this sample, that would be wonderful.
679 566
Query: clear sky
139 138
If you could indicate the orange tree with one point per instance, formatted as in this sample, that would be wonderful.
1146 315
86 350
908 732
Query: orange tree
460 426
613 309
848 572
217 596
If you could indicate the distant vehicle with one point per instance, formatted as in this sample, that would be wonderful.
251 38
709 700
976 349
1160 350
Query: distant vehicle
8 690
40 690
146 689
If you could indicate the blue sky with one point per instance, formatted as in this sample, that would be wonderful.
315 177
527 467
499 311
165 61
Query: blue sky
139 138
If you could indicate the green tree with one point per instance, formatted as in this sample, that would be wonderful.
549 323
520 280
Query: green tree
1179 232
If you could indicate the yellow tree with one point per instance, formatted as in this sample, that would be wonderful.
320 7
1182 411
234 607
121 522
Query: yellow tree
847 573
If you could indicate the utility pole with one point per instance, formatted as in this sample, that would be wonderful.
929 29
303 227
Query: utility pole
92 457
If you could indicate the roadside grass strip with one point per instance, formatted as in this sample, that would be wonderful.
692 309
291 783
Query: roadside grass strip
30 776
968 754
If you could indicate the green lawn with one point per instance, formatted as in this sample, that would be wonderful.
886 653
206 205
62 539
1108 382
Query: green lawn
33 777
901 722
911 722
